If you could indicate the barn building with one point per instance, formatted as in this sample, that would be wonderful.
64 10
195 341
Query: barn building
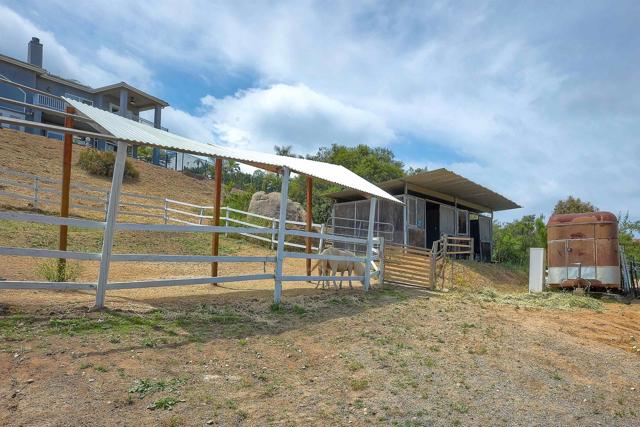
436 203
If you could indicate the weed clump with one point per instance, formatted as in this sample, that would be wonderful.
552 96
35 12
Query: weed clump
102 163
55 271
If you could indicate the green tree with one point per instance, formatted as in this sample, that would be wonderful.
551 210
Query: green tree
284 150
573 205
373 164
626 231
512 241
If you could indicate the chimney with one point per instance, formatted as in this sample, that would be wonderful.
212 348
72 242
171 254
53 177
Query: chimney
34 53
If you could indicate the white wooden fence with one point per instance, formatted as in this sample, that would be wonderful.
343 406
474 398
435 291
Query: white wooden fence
43 192
277 232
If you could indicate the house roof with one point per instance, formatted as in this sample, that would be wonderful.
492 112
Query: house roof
124 85
124 129
75 84
443 184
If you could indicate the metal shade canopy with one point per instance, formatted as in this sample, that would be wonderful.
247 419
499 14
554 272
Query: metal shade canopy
123 129
443 183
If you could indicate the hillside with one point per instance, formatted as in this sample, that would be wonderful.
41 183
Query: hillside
43 156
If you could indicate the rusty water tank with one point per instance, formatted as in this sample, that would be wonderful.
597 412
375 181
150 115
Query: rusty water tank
583 251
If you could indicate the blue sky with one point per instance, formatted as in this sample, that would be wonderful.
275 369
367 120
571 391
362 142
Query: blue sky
536 100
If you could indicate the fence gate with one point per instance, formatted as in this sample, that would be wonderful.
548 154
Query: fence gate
407 265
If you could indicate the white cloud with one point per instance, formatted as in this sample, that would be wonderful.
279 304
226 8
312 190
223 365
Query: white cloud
281 114
292 115
105 67
543 102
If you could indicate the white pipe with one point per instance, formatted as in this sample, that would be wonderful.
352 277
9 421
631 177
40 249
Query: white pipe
110 228
282 225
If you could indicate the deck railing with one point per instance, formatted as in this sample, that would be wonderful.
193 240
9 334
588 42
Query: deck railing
48 101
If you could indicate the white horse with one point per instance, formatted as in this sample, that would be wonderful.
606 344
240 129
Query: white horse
333 267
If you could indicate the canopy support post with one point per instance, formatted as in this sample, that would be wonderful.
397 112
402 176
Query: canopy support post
309 221
66 186
369 257
215 239
109 230
282 226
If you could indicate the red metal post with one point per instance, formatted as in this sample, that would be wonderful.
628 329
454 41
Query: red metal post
66 184
216 214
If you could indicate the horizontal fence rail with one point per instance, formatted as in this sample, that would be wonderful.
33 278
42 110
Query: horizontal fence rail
188 281
17 284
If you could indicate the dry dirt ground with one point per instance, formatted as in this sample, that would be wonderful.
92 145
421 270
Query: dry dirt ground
394 356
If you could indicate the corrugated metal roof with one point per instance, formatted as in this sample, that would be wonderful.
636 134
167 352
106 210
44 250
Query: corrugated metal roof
447 183
138 133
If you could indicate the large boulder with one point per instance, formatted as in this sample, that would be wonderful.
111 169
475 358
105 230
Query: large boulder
268 204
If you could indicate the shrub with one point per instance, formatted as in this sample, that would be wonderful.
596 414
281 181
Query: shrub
101 163
53 271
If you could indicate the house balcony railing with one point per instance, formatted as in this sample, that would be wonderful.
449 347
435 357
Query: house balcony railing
147 122
48 101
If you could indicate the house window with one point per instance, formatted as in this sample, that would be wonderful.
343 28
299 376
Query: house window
463 221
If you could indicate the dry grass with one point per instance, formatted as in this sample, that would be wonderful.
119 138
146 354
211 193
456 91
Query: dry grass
43 156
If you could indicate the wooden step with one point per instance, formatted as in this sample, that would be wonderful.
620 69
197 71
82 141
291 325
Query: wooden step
406 276
402 269
396 261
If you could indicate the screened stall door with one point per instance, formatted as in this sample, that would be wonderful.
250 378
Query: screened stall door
416 215
447 220
462 226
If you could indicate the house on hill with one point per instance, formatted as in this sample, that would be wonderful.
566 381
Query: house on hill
121 98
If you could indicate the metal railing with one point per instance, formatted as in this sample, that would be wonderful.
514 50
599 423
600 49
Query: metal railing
49 101
147 122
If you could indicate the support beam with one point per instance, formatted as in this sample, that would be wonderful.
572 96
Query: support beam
309 220
282 226
65 194
405 217
110 227
157 123
370 230
215 239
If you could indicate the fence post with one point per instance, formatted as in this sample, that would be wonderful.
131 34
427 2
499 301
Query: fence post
166 212
282 226
109 230
66 188
372 221
36 192
381 263
321 241
201 215
434 260
226 219
273 233
106 204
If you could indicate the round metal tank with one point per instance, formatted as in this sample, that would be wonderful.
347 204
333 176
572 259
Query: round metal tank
583 251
